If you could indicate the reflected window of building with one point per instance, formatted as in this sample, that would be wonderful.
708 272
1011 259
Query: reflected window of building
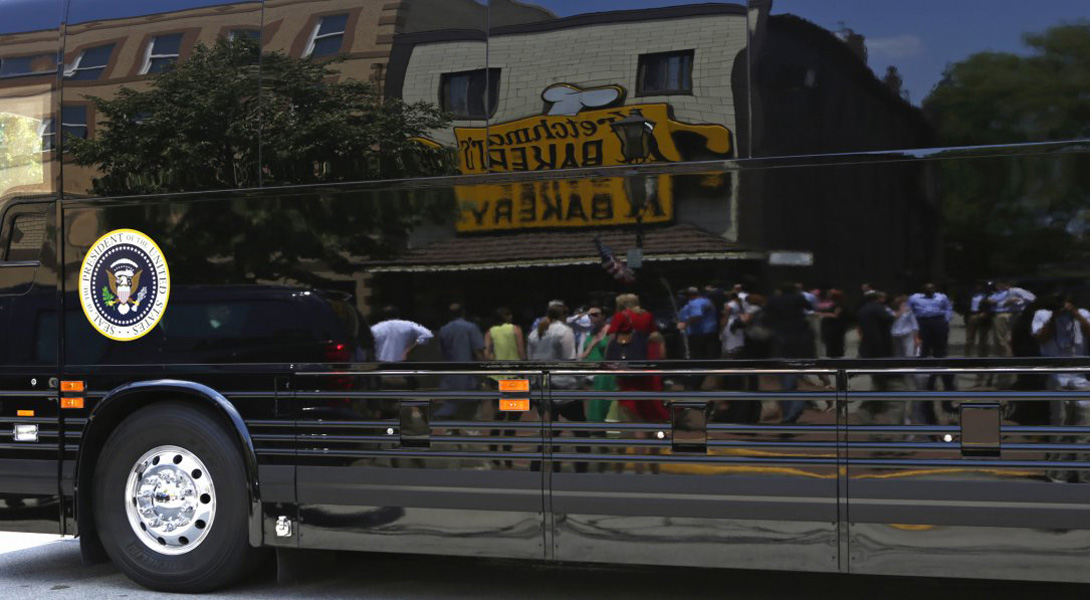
90 64
16 66
27 237
253 34
48 132
327 36
665 73
162 51
74 121
464 93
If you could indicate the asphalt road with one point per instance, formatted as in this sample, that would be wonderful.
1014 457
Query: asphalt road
44 567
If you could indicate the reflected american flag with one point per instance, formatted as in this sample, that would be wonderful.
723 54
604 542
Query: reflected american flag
612 265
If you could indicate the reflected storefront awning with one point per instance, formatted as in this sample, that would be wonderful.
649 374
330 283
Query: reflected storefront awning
681 242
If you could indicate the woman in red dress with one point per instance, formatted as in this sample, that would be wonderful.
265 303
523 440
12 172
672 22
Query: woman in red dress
630 320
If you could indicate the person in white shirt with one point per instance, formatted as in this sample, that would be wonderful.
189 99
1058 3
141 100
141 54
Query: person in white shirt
733 334
742 293
582 326
395 338
906 336
1062 331
552 340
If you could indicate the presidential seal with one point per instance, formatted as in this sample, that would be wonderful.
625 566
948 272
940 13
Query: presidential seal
124 285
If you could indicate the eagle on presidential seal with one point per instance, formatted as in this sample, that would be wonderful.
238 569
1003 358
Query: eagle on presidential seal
124 288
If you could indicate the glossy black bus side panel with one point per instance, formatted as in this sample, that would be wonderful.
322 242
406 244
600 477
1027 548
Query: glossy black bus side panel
922 502
30 41
894 221
628 485
28 369
432 464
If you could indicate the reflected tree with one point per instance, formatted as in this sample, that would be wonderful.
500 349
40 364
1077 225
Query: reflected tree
1017 216
197 127
1001 97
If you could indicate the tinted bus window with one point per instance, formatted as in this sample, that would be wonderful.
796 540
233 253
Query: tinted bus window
26 238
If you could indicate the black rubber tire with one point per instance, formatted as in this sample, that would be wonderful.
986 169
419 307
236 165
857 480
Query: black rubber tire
225 555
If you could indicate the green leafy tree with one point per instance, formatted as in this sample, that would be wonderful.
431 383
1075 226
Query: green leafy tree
1001 97
1020 215
197 127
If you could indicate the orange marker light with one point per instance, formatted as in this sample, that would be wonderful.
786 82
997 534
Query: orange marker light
514 385
71 386
71 402
24 413
516 404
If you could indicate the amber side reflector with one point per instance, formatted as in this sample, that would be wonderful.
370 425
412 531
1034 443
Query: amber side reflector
516 404
24 413
71 386
514 385
71 402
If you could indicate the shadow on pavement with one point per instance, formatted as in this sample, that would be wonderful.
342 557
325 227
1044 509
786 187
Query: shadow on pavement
56 569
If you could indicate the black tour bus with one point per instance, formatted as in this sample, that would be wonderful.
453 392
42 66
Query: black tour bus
782 284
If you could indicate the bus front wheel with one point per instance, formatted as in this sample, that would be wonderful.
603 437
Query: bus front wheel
170 500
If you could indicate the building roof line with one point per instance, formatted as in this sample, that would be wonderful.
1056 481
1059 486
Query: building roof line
562 262
583 20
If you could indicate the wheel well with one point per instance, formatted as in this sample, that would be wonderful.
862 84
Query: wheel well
99 428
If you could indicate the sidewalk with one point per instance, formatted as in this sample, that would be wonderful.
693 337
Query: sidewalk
13 542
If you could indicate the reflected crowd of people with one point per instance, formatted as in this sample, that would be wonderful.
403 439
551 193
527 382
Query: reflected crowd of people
999 319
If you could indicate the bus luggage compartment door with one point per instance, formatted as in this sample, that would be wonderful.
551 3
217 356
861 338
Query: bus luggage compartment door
29 447
955 482
722 470
421 463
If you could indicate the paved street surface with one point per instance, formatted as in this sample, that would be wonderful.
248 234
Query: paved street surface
45 567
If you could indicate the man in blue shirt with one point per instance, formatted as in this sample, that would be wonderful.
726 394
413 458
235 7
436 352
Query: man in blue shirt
461 342
699 320
933 311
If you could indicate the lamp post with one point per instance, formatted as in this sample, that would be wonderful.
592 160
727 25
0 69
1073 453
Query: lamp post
639 189
636 133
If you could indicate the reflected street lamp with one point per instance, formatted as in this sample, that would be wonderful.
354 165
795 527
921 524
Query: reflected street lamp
641 191
635 133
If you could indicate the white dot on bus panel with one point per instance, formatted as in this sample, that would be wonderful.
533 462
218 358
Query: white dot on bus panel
948 438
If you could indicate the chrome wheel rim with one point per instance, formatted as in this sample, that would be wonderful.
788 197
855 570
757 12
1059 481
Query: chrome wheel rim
170 500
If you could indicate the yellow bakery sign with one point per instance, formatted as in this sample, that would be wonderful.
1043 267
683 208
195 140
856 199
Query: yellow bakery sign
570 136
597 202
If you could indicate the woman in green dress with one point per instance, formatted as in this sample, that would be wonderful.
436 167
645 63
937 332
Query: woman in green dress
594 350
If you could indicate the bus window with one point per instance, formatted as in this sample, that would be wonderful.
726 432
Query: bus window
25 238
